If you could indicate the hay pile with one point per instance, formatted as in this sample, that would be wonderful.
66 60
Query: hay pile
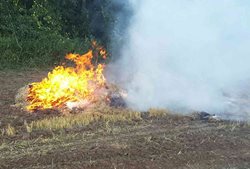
109 95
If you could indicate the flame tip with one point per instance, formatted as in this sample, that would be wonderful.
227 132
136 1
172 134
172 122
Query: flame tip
64 84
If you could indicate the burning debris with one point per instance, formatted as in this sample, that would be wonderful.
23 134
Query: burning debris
108 95
77 87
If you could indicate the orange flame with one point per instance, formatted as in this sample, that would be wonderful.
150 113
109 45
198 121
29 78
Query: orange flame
70 84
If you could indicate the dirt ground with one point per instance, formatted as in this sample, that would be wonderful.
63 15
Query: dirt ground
171 141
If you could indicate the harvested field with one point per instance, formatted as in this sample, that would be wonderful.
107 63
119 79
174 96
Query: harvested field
114 138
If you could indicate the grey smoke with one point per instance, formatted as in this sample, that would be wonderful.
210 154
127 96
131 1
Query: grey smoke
188 55
122 12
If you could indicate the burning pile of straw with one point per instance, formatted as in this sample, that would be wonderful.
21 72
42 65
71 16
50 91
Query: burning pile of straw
109 95
78 87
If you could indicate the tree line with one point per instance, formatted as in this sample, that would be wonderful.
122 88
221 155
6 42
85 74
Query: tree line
38 33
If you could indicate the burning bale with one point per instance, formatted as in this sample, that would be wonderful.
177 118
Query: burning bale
77 87
21 97
108 95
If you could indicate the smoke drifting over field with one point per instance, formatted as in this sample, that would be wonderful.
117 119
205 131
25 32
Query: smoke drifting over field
188 55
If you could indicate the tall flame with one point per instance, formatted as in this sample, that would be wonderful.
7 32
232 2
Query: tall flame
68 84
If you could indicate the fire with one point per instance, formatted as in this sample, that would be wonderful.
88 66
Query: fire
69 84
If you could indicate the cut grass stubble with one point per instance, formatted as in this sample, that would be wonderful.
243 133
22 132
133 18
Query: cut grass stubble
83 119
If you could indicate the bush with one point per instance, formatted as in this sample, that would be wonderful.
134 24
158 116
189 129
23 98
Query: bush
44 50
38 33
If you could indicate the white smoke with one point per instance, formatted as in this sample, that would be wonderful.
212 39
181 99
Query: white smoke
188 55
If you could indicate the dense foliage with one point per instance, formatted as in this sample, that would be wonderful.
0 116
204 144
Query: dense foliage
39 32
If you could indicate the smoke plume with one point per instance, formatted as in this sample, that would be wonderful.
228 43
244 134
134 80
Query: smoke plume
188 55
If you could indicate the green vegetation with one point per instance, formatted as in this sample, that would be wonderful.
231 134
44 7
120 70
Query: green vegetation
38 33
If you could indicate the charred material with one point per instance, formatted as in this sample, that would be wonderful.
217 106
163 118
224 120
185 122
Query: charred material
108 95
204 116
116 100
